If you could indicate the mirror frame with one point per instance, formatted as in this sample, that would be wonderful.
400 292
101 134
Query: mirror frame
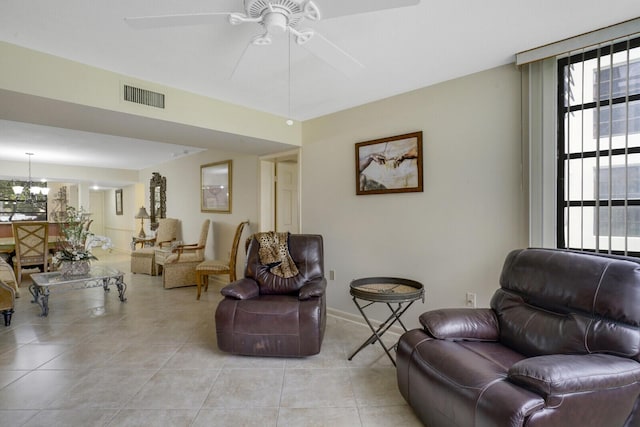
157 181
210 199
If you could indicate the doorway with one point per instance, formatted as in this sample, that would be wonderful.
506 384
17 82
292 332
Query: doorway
280 192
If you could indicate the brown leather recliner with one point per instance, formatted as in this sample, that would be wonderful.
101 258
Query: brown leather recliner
266 315
560 346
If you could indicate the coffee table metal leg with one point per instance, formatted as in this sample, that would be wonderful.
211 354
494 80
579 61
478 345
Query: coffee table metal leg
40 297
122 288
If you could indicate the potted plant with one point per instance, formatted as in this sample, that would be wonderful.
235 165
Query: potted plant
72 257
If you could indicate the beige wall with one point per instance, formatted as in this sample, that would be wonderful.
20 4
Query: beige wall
183 199
452 237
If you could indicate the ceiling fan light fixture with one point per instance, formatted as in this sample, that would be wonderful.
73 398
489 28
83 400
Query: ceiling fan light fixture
275 21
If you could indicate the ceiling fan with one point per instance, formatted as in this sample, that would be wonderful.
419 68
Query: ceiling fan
282 16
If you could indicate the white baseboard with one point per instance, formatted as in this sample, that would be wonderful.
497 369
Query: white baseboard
357 319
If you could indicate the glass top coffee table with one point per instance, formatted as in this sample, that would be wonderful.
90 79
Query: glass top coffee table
397 293
99 275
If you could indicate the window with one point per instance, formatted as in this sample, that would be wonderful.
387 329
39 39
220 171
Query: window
599 149
12 210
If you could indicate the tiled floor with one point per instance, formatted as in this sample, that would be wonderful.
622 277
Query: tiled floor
153 361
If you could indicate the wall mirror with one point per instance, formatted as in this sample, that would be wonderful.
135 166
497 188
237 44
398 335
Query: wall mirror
157 198
215 185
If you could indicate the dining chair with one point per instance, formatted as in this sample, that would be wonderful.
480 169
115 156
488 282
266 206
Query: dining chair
210 267
32 246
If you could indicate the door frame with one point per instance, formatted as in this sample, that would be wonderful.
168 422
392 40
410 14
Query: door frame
268 189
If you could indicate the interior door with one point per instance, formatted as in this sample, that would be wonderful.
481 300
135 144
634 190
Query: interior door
287 214
96 201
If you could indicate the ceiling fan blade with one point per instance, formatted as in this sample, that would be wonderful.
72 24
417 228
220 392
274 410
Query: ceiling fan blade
322 48
333 8
159 21
248 46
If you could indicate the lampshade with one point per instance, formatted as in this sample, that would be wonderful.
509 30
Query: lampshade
142 213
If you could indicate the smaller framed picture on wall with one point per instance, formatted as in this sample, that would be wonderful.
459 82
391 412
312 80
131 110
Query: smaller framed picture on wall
215 187
119 202
389 165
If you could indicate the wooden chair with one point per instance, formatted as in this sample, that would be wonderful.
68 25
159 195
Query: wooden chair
205 268
32 246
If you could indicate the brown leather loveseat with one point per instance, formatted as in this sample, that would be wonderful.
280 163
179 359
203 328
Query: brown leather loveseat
559 346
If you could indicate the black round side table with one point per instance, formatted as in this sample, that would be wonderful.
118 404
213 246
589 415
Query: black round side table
397 293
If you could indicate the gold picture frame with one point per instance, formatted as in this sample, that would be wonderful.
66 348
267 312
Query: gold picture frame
216 187
389 165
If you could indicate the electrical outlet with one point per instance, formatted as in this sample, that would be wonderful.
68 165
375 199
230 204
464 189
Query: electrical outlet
471 299
332 275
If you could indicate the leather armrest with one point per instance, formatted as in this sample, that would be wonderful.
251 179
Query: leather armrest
473 324
244 288
558 374
315 288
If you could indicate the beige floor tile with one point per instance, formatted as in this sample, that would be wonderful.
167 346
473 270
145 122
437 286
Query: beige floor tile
247 417
331 388
103 388
318 417
153 418
141 356
7 376
375 387
66 418
12 418
246 388
197 356
31 356
37 389
385 416
154 361
171 389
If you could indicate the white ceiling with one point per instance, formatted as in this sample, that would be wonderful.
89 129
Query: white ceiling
401 50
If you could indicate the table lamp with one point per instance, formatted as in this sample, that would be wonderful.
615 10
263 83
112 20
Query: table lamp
142 214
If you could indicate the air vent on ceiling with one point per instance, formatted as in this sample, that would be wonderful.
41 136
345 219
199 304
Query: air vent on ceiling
143 96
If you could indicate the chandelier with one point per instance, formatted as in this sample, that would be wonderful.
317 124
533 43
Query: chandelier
29 193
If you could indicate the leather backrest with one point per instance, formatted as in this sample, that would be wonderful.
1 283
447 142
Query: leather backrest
555 301
306 250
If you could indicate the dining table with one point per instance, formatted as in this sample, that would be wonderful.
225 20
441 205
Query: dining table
8 244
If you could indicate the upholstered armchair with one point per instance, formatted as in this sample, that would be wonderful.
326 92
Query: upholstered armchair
143 260
180 267
265 314
8 291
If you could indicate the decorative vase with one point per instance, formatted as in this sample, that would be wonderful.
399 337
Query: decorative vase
75 268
